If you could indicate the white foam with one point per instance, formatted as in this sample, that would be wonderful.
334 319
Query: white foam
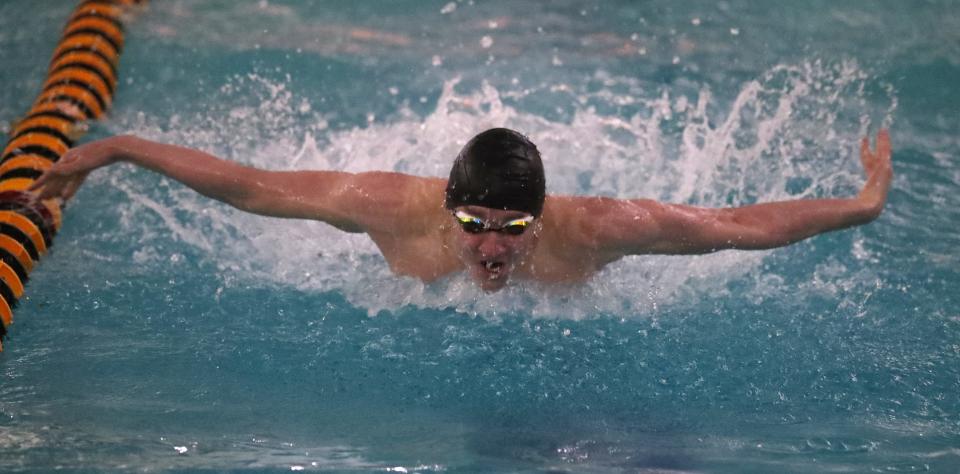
792 125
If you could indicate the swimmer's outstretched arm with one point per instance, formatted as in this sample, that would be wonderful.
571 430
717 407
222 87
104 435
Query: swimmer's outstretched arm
347 201
644 227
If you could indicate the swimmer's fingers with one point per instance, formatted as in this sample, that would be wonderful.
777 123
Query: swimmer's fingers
49 183
68 173
866 156
880 157
882 170
46 187
883 147
72 185
57 183
877 164
59 171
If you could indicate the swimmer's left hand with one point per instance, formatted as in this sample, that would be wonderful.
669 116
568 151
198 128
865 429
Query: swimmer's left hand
879 169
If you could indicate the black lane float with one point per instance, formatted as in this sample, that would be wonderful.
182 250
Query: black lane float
80 84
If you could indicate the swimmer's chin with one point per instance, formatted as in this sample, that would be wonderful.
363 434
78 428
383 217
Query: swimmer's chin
491 277
492 286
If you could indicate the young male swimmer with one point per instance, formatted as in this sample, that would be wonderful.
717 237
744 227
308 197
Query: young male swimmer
492 217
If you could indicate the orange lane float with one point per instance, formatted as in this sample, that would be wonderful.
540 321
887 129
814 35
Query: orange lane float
79 86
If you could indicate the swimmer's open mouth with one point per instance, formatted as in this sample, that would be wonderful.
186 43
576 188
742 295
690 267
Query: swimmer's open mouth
492 267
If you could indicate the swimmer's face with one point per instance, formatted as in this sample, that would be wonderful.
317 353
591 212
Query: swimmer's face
493 243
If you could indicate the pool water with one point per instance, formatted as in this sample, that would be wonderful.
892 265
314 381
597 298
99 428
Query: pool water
166 332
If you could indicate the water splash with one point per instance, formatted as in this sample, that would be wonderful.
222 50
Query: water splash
790 133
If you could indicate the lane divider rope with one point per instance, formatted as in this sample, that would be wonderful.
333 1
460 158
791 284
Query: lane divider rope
79 87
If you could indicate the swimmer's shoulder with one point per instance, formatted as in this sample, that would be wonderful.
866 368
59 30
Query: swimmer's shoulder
590 224
567 222
398 202
389 187
577 210
566 251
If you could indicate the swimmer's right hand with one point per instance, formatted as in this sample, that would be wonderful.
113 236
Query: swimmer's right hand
66 175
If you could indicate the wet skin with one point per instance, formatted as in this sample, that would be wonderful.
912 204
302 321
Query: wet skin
404 214
491 257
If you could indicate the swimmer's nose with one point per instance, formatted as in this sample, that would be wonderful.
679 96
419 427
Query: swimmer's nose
491 245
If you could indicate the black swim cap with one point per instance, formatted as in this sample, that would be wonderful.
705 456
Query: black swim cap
499 169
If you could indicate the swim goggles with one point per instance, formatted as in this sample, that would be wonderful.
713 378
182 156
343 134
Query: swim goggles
474 225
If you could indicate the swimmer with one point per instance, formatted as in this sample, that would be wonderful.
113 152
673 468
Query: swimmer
492 218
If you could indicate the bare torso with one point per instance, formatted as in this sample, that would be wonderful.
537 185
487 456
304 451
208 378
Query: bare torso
426 251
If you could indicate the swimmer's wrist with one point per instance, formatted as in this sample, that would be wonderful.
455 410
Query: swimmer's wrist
123 148
872 200
870 207
861 209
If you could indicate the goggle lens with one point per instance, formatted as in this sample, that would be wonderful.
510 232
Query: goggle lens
471 226
515 228
474 225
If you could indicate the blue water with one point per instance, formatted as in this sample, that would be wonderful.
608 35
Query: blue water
168 332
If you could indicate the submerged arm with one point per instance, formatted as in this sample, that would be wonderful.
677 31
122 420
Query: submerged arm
341 199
